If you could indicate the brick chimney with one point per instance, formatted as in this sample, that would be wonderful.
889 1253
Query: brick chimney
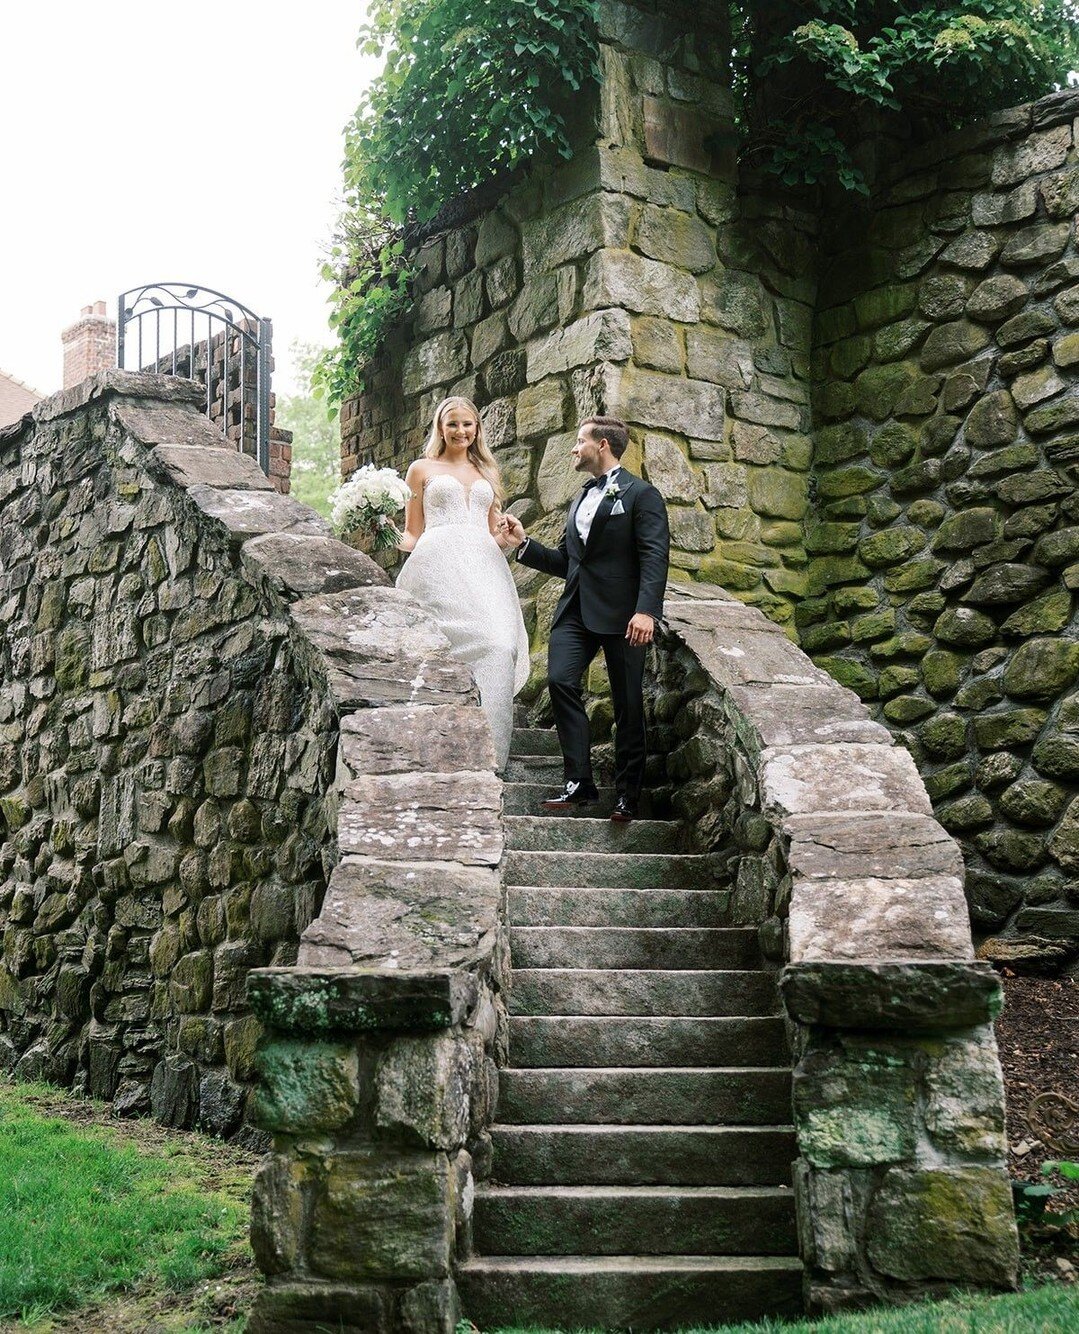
89 344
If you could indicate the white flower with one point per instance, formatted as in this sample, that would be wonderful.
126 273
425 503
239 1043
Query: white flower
369 497
613 491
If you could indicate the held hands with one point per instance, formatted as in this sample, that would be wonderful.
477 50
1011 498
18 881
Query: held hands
510 533
641 629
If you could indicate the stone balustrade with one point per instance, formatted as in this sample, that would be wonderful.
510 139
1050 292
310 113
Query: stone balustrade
858 892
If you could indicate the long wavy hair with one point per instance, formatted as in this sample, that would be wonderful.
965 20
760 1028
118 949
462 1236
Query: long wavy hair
479 455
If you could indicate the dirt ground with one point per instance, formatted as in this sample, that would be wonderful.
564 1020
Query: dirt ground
1038 1034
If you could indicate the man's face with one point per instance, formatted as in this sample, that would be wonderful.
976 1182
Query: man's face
586 453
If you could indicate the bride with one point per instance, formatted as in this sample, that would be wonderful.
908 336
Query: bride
455 534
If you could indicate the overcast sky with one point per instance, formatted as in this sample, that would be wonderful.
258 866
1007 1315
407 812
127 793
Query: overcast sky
198 142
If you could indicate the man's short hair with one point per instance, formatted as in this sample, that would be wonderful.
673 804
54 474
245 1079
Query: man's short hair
612 429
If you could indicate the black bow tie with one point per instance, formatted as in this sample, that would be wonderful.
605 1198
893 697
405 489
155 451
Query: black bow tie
594 481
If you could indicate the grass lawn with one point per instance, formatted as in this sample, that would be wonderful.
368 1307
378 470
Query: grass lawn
128 1220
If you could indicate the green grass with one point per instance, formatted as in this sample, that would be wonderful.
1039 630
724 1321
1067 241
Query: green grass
85 1214
1043 1309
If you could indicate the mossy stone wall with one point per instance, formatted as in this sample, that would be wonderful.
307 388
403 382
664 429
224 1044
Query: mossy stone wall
944 538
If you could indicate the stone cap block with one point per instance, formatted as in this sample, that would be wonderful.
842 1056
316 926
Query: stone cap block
214 465
792 715
249 513
833 779
165 424
300 564
405 915
360 1000
381 647
738 655
128 384
881 844
423 738
929 995
454 817
879 919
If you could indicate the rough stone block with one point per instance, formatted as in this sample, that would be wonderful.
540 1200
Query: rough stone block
214 465
556 481
403 914
964 1096
379 1215
422 1090
446 738
895 996
574 231
346 1308
833 780
668 469
718 358
879 919
657 343
277 1213
249 513
316 1001
677 238
438 361
855 1103
954 1224
878 845
447 817
306 1087
298 565
541 408
603 336
627 281
691 408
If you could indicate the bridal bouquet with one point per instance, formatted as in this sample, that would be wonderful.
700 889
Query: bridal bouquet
366 504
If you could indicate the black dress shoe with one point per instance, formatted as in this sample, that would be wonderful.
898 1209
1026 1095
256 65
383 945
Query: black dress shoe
572 796
624 811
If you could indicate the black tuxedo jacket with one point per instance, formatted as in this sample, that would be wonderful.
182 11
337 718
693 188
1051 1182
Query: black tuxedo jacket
622 569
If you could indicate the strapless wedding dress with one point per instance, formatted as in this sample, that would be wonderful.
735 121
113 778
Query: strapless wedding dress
459 573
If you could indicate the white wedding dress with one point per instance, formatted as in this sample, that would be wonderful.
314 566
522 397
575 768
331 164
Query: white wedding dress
459 573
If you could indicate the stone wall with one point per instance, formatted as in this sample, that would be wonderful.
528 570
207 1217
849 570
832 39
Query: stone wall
901 1181
631 280
167 740
945 534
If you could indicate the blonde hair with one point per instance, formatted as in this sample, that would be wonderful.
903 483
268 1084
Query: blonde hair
479 455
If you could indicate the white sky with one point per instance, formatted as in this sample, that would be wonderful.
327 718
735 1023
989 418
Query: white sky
195 142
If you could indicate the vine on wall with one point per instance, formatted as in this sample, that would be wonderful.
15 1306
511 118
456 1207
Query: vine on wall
469 89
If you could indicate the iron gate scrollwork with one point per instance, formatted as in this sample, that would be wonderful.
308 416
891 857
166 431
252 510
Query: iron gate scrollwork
227 349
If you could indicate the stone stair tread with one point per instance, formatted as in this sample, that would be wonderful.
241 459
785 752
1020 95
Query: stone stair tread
628 1291
486 1188
633 948
610 1095
641 1154
645 1042
525 798
549 833
582 1264
542 905
612 870
644 992
525 739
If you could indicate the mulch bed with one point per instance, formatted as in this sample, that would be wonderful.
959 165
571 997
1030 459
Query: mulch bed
1038 1035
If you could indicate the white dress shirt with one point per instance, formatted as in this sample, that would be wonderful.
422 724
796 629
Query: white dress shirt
586 510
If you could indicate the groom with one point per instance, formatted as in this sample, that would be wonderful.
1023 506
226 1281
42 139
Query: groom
613 557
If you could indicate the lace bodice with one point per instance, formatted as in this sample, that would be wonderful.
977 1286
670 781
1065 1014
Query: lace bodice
446 501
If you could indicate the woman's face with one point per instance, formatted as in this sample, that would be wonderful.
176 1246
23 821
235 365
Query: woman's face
459 428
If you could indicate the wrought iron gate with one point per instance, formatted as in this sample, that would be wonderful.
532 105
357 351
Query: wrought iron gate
205 336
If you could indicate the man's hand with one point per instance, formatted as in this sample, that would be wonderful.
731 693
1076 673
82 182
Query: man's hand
513 533
641 629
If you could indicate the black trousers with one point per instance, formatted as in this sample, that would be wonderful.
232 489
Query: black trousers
572 648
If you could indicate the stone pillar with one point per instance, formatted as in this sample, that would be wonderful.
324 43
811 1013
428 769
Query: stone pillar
89 345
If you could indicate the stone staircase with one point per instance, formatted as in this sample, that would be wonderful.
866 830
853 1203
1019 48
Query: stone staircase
642 1146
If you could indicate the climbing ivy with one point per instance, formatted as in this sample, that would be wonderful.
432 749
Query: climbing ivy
805 69
469 89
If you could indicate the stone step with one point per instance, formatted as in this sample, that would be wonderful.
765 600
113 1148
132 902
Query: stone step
525 799
633 947
589 1041
642 992
534 741
542 833
648 1220
535 769
652 1096
531 905
627 1291
612 870
674 1155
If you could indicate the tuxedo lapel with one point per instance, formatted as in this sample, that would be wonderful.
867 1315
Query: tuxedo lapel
624 482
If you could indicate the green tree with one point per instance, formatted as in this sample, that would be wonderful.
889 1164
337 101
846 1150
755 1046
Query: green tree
316 440
806 71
